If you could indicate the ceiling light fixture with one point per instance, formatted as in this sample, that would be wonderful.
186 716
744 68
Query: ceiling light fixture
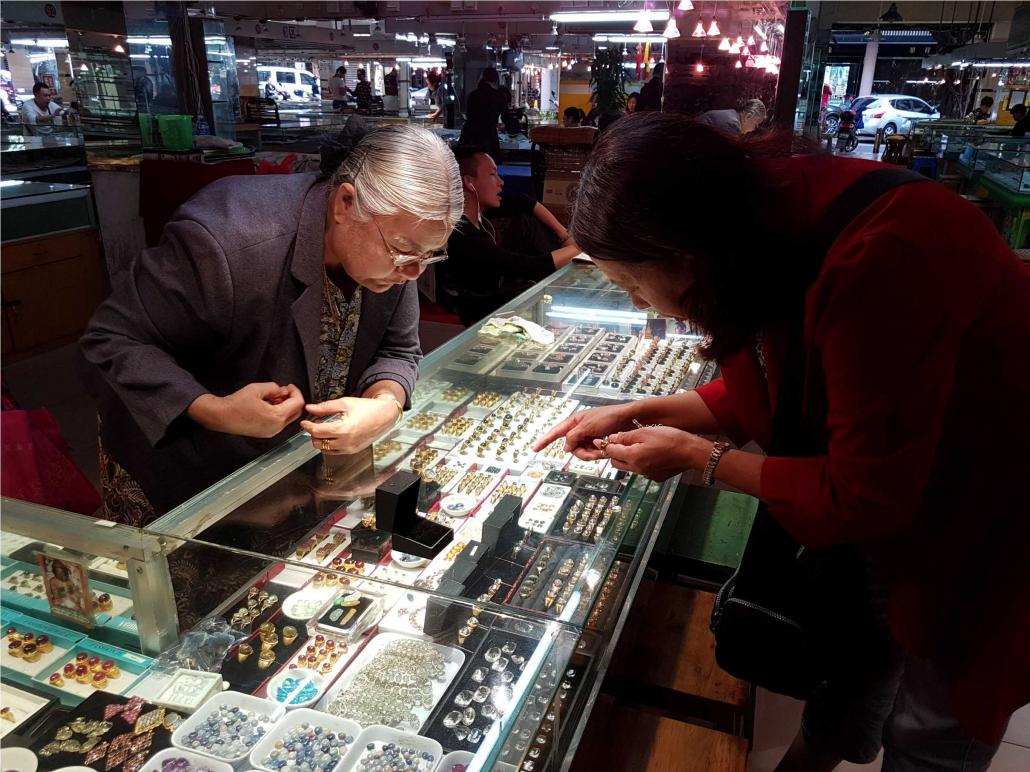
686 5
643 23
761 32
750 40
671 30
699 30
724 45
738 65
764 47
713 29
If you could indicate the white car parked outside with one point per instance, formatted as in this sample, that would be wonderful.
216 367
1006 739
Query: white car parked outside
894 113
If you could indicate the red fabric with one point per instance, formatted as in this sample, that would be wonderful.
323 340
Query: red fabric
922 316
36 464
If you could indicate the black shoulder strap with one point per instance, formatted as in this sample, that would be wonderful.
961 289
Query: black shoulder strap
799 416
854 200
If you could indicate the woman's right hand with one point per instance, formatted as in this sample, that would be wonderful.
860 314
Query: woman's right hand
582 428
257 410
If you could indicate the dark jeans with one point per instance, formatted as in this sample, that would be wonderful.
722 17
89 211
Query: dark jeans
893 700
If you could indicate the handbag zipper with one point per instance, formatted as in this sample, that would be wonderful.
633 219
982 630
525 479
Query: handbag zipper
773 614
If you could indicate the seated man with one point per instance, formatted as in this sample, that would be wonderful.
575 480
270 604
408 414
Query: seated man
482 272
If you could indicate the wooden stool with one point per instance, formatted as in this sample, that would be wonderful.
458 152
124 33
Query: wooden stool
626 739
666 659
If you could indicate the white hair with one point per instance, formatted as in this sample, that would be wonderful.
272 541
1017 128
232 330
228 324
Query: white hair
755 108
403 170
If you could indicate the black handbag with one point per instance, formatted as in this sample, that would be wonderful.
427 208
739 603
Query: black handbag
789 616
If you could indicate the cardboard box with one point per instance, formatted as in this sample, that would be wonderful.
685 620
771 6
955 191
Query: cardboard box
560 190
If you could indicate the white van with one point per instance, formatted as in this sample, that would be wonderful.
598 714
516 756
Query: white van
292 83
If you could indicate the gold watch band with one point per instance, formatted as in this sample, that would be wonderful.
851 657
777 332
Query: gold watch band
718 450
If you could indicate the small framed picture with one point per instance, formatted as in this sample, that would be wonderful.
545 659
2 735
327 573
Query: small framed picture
66 581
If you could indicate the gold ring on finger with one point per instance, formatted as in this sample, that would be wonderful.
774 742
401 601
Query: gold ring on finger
326 445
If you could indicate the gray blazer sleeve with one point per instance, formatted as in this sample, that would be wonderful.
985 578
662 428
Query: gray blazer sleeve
174 304
399 353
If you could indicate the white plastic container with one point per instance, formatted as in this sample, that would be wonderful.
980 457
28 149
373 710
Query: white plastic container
455 757
384 734
272 710
296 718
306 676
154 763
453 660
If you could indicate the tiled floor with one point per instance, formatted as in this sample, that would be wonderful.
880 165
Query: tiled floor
50 380
777 718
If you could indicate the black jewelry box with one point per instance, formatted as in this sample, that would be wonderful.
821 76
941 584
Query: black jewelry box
396 504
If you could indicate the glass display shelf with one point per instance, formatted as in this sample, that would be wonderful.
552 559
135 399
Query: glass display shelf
1010 168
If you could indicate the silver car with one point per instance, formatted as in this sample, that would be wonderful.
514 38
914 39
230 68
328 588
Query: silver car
894 113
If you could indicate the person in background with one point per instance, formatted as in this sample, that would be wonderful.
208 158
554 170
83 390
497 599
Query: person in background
1019 112
650 97
892 311
40 114
484 272
736 122
363 91
487 106
606 120
982 114
631 102
436 94
338 88
572 118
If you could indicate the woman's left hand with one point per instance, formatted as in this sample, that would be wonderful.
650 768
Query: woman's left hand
359 423
656 452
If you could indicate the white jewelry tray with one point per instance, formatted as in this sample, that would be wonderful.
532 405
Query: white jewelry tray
384 734
23 706
295 718
453 660
244 701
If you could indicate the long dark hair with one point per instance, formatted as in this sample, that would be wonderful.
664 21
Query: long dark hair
699 201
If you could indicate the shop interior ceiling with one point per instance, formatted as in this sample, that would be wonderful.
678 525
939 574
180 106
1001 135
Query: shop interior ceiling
371 28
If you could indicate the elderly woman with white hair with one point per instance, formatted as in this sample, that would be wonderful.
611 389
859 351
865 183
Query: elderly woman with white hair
269 297
748 118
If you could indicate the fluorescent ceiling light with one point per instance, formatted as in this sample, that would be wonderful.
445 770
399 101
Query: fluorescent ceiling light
760 32
154 40
362 34
608 16
40 42
629 38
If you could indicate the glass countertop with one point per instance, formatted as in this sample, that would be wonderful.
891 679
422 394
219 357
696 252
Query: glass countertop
11 190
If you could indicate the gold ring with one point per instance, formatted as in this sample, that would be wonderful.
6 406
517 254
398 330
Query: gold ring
326 445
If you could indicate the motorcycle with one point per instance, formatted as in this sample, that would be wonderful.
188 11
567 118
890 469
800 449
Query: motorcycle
847 138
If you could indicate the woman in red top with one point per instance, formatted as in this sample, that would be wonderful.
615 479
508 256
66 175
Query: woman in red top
920 316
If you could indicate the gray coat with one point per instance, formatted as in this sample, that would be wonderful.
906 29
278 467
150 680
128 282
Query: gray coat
724 120
232 295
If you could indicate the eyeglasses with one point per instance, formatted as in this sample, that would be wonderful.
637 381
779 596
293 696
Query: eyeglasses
400 260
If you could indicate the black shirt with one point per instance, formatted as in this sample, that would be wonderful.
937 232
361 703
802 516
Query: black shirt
1022 127
481 273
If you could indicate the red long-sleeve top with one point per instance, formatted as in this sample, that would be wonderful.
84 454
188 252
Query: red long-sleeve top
921 314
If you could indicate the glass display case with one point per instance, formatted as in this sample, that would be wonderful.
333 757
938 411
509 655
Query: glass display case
975 154
33 209
448 594
1009 167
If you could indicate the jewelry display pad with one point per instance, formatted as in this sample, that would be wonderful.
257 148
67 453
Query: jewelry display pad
546 718
339 622
20 705
246 676
94 708
552 559
62 640
604 606
452 659
131 668
485 686
586 516
553 363
312 645
280 592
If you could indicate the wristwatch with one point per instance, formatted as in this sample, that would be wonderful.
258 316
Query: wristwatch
708 476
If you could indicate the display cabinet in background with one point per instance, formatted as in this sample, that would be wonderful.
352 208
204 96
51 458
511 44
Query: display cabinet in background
449 591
